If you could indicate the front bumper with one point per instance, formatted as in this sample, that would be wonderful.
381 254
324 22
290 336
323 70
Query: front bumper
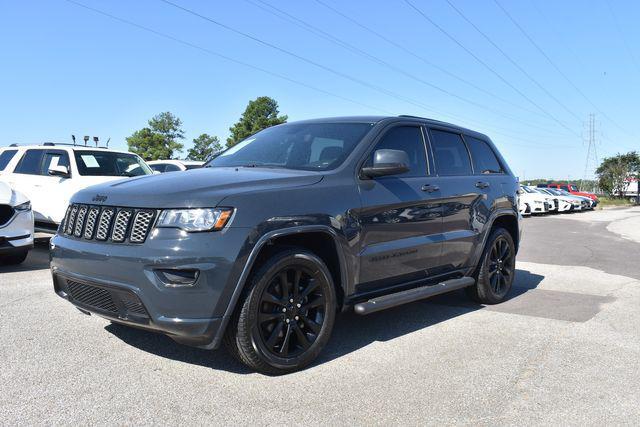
119 281
17 234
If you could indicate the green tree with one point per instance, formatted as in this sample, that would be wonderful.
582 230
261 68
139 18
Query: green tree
204 147
261 113
613 172
159 140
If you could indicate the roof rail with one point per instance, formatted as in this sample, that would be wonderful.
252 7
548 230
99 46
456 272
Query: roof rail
54 144
413 117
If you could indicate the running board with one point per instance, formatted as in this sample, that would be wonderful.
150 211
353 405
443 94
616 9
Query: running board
399 298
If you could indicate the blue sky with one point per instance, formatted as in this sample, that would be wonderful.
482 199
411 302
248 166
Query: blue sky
69 70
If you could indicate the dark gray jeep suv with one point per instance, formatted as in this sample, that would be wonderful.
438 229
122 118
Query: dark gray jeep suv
262 247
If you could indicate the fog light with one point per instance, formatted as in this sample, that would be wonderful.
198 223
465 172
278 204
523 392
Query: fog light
178 277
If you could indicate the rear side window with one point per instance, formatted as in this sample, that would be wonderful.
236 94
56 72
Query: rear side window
483 157
30 162
172 168
54 158
5 158
450 154
408 139
158 167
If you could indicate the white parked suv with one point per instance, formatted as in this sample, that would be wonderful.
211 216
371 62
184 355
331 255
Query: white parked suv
16 225
50 174
163 166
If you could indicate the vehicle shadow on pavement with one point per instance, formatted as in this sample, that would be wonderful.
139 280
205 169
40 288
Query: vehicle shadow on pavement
38 259
163 346
351 332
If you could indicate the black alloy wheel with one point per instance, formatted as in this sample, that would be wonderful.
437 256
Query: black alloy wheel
286 315
292 312
501 265
496 270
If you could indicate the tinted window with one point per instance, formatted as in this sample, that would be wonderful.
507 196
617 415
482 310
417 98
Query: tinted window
5 158
189 167
172 168
30 162
409 140
565 187
55 158
484 159
450 154
308 146
159 167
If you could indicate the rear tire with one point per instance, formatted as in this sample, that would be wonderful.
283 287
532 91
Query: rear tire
496 270
286 315
14 259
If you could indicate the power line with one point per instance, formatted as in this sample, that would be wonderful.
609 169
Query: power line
222 56
553 64
533 144
512 61
488 67
425 60
622 35
304 59
342 43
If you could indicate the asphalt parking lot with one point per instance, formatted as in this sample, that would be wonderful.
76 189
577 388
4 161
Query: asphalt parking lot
564 350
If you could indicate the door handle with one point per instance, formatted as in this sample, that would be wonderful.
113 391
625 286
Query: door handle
430 188
482 184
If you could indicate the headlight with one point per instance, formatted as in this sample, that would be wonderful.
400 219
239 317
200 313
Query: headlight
23 207
199 219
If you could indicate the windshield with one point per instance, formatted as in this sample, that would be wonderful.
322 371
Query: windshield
527 189
306 146
109 163
573 187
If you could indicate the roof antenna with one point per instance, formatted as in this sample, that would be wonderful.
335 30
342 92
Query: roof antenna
95 140
86 139
73 137
108 142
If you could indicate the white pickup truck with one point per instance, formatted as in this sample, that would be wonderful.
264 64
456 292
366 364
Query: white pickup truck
50 174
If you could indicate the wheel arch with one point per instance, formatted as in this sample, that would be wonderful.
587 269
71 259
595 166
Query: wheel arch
301 236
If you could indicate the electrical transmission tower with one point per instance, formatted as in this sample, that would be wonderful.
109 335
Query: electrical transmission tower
591 162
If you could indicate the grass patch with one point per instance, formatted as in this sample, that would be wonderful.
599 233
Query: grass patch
614 201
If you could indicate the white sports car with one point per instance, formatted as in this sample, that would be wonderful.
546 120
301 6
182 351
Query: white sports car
564 204
16 225
532 202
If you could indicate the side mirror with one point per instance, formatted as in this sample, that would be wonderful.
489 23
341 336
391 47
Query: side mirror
59 170
387 162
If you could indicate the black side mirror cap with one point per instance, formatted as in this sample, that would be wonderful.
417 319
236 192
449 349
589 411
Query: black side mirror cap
387 162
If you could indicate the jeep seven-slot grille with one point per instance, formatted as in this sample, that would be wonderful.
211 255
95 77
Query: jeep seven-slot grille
108 223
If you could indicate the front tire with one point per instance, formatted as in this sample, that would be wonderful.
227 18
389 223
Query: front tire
286 316
497 269
14 259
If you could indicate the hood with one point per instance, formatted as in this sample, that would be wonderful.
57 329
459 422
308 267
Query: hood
585 195
205 187
10 197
